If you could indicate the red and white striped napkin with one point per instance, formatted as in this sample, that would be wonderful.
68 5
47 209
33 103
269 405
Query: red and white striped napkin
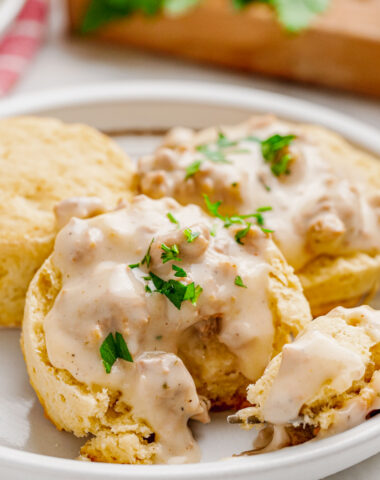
20 43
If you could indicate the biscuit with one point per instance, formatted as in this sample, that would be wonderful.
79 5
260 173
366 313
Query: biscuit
323 383
76 401
43 161
325 203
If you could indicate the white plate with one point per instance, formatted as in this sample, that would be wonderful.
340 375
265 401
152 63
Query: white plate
137 113
9 9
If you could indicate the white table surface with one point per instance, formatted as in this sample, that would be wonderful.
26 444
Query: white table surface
64 62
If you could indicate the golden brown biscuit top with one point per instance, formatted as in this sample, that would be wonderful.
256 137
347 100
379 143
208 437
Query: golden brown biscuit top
43 161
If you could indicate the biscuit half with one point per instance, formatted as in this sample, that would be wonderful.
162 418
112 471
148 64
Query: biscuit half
43 161
325 382
118 436
329 280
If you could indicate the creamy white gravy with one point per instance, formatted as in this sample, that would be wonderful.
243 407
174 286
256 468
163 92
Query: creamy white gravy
306 365
80 207
315 359
102 294
321 207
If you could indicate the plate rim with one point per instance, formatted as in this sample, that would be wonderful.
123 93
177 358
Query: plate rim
220 94
226 96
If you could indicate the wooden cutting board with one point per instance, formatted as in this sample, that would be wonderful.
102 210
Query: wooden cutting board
341 48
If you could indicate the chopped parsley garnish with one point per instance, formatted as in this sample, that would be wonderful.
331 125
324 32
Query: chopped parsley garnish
214 152
251 138
147 278
193 168
192 293
213 208
112 348
148 289
242 233
217 152
176 291
190 235
134 265
239 282
169 253
264 209
147 258
274 151
267 230
224 142
213 231
216 156
172 218
180 272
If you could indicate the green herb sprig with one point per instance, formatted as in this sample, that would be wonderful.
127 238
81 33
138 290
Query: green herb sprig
242 233
274 152
172 218
214 152
112 348
175 291
190 235
213 208
170 254
239 282
180 272
147 257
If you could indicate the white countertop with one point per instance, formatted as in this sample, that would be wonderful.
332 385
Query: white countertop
64 62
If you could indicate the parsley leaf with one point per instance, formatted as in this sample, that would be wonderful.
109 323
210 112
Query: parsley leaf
169 253
176 291
157 281
190 235
264 209
172 218
213 208
216 156
180 272
113 348
193 168
242 233
192 293
223 141
147 257
239 282
274 153
134 265
122 348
